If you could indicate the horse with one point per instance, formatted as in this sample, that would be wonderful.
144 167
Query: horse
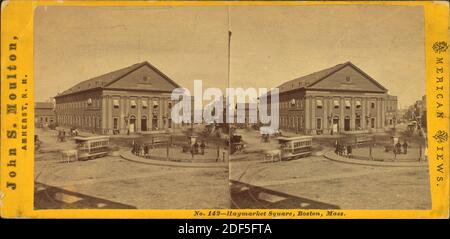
272 154
68 154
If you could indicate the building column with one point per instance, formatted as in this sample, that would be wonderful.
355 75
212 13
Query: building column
313 115
363 113
352 116
383 113
104 115
368 113
160 118
150 113
377 121
126 113
109 124
341 115
164 113
138 116
121 115
325 114
330 113
307 115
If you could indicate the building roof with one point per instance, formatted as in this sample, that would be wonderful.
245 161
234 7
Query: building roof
104 80
43 105
308 81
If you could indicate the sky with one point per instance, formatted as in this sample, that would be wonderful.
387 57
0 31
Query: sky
272 45
73 44
269 45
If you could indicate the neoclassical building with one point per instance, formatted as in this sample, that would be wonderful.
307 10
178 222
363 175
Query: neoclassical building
132 99
339 99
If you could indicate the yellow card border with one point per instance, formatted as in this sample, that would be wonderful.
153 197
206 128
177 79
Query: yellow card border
17 129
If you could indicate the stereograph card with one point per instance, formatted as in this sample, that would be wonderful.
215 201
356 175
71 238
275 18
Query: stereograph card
224 109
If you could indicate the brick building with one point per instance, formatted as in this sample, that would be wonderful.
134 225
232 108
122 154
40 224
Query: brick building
132 99
341 98
44 113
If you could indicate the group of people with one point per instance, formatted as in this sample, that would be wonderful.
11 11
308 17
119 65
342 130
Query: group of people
398 148
142 150
61 135
343 149
195 148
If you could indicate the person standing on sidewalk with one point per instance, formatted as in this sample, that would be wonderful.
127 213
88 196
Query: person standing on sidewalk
349 151
405 147
133 146
145 151
202 148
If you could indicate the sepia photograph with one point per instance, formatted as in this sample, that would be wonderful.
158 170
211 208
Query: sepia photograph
352 112
104 133
230 107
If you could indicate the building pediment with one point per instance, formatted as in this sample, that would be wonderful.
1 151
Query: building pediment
348 77
345 76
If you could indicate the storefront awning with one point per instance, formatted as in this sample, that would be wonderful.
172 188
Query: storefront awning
155 103
133 103
115 102
144 104
358 103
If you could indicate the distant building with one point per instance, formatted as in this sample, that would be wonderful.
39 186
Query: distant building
342 98
44 113
424 104
132 99
391 109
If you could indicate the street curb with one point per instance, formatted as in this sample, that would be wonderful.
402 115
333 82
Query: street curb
133 158
332 156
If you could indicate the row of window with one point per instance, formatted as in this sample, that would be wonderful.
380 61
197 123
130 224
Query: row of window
297 122
84 121
46 119
91 102
95 102
319 104
144 104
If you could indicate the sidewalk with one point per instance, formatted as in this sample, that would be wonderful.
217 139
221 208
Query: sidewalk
332 156
131 157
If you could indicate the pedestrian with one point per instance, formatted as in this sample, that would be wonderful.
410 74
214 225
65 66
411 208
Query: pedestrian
133 147
337 147
196 148
218 152
145 151
395 152
349 151
405 147
341 149
202 147
398 147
